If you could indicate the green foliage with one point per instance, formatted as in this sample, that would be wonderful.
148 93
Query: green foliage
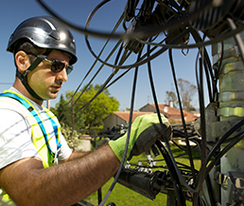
63 110
71 137
87 111
171 96
61 107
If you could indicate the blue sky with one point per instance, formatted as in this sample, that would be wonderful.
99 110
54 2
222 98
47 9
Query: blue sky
14 12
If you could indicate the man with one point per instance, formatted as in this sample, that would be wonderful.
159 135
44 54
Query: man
30 138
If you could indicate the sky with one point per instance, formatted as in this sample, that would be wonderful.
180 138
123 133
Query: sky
13 12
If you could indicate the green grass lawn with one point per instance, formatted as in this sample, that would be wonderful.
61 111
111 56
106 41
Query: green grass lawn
123 196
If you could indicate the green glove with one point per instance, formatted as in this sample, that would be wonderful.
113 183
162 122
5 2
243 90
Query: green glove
145 130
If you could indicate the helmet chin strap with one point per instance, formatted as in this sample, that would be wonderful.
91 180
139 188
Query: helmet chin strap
23 76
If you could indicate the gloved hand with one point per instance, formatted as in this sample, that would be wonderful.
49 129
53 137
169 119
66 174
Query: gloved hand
102 142
145 130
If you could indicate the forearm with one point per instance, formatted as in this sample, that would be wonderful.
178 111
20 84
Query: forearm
67 183
75 156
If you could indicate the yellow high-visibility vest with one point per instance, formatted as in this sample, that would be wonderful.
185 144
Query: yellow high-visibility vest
40 138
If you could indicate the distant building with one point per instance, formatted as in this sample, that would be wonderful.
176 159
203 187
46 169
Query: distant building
170 112
196 113
116 119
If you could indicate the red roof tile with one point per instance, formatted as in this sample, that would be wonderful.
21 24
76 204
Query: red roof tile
173 114
126 115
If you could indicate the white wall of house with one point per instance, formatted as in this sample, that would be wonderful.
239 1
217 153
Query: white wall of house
147 108
84 145
113 121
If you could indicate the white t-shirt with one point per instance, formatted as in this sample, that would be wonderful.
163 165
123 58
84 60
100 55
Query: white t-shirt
16 138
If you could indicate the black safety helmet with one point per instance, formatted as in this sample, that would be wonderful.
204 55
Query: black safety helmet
44 32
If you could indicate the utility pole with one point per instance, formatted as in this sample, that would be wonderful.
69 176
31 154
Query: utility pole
73 114
48 104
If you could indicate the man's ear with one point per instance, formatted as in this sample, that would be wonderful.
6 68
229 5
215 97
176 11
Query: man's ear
22 61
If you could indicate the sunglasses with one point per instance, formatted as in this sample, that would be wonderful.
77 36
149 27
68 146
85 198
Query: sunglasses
57 66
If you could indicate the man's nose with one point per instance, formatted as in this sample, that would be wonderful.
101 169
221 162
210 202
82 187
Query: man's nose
62 75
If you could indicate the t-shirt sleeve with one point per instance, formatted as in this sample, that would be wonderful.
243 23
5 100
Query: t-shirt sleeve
15 138
65 149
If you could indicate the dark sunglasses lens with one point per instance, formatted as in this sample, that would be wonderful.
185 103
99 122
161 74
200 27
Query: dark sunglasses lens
57 66
69 69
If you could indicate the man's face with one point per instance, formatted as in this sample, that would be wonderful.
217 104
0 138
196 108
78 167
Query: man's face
43 81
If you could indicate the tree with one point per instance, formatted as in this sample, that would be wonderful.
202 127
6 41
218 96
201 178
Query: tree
88 113
187 92
171 96
60 107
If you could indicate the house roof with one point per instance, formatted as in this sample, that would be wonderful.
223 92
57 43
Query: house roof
196 113
126 115
172 113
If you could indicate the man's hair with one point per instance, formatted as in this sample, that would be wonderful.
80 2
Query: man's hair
29 48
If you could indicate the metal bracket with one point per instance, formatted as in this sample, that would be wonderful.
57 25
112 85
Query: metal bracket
233 181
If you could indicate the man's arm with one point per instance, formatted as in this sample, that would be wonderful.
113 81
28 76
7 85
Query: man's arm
75 155
28 183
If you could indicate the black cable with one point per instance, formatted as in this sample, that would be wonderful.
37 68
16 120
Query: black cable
221 140
119 77
138 63
174 5
127 140
171 164
166 46
85 88
152 29
101 51
211 192
203 127
181 111
235 140
149 31
219 69
109 78
180 147
115 66
210 92
237 38
186 167
215 40
101 89
112 35
175 179
91 50
103 86
97 72
207 65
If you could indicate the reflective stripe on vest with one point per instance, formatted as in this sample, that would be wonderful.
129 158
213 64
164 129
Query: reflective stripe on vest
5 200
